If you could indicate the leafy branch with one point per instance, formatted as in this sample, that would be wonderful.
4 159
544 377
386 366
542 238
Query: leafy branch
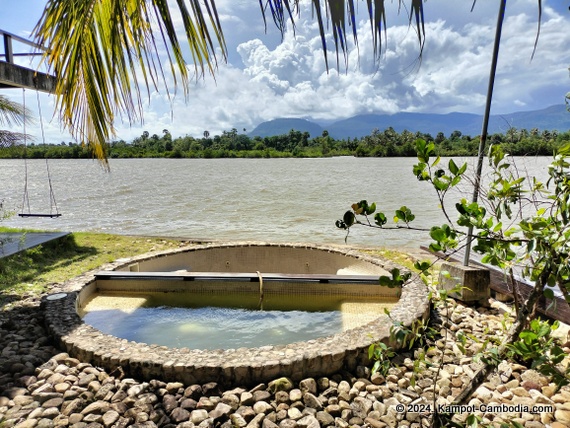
520 222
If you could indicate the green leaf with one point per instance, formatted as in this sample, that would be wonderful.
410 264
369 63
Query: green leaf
341 224
462 169
564 150
453 167
543 330
380 219
349 218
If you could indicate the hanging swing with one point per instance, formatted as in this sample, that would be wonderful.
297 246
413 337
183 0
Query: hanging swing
53 211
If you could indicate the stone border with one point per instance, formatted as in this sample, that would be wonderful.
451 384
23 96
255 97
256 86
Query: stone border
243 366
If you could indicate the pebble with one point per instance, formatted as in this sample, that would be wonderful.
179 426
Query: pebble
58 390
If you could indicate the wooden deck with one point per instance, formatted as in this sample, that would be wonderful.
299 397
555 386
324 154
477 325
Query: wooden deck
556 308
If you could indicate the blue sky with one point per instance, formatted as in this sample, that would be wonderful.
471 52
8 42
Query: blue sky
267 77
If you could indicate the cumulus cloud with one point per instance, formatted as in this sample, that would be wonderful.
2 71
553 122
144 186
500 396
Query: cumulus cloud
451 76
269 77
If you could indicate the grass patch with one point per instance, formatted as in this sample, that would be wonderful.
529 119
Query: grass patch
30 272
399 257
407 260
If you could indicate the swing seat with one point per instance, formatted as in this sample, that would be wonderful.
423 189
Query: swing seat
39 215
26 200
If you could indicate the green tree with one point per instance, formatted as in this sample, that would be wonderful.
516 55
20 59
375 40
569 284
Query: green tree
99 67
520 222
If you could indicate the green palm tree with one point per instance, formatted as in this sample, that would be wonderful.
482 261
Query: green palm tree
106 52
12 114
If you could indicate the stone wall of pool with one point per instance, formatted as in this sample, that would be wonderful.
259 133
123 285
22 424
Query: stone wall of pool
244 366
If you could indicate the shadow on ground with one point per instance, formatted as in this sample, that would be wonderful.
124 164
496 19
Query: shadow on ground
28 266
24 345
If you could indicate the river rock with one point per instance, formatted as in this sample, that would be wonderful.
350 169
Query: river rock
205 403
295 395
237 420
294 413
98 407
261 395
308 385
308 422
110 417
262 407
324 418
180 415
312 401
197 416
256 421
562 416
267 423
246 399
222 410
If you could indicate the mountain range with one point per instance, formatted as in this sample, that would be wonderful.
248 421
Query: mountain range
552 118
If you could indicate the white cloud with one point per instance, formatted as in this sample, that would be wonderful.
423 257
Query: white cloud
268 78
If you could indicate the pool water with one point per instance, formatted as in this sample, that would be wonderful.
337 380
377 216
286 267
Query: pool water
228 321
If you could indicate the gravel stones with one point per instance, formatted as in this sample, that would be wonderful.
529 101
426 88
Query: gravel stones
43 387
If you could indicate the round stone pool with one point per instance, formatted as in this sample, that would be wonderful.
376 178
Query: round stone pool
265 274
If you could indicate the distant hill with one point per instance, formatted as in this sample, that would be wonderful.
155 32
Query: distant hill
283 126
551 118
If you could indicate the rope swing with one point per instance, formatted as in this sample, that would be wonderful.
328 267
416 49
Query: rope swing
53 211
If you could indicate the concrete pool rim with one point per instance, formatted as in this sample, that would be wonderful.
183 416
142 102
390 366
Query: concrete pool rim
244 366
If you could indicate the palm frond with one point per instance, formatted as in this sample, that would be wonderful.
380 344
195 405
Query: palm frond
377 16
340 13
101 50
418 14
12 139
13 113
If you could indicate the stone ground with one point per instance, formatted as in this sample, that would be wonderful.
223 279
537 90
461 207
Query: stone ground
41 387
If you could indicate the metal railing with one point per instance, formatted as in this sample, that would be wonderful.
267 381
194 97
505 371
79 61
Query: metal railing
8 55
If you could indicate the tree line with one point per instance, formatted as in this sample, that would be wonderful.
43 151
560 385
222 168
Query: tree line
232 144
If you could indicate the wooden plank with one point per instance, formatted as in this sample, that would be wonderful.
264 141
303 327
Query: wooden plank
39 215
556 308
237 276
16 76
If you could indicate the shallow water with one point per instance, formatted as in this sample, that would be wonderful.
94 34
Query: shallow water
231 320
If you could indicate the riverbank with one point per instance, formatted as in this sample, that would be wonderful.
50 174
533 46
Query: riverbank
42 387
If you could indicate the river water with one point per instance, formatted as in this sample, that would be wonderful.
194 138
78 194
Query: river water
281 200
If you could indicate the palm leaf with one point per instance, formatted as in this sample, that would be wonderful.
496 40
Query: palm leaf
104 51
12 139
339 14
377 16
13 113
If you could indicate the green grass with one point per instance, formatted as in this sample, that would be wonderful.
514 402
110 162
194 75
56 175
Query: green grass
399 257
30 272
